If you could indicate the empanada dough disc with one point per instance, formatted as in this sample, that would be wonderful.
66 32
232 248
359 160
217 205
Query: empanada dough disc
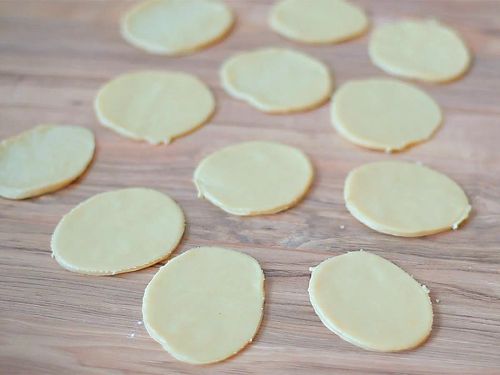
254 178
370 302
43 159
424 50
277 80
175 27
384 114
318 21
155 106
205 305
118 231
404 199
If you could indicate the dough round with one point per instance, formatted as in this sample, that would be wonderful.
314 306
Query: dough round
318 21
205 305
175 27
404 199
118 231
370 302
277 80
424 50
384 114
154 106
254 178
43 159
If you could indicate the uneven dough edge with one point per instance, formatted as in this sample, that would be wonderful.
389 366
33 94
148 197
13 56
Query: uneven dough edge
153 334
19 194
166 52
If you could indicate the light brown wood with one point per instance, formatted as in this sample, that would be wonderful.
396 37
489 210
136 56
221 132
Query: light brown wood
54 55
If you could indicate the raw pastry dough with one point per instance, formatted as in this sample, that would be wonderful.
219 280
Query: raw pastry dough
254 178
384 114
424 50
118 231
154 106
404 199
318 21
277 80
174 27
43 159
205 305
370 302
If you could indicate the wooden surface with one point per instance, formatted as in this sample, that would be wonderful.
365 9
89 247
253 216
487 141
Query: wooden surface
53 57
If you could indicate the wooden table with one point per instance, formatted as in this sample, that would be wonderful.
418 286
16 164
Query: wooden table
54 55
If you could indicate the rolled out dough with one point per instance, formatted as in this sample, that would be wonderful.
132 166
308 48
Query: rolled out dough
156 106
176 27
118 231
404 199
370 302
277 80
254 178
205 305
43 159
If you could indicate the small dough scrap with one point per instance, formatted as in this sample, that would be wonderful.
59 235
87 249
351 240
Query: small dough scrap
424 50
254 178
205 305
176 27
384 114
277 80
318 21
118 231
370 302
44 159
155 106
404 199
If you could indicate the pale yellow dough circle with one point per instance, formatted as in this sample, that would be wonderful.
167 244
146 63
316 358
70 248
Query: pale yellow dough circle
205 305
176 27
118 231
43 159
318 21
370 302
404 199
155 106
277 80
424 50
384 114
254 178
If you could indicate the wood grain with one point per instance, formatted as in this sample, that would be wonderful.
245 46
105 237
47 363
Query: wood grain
54 55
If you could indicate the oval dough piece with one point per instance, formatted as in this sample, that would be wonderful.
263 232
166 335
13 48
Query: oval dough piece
370 302
254 178
175 27
43 159
318 21
277 80
118 231
404 199
154 106
205 305
384 114
424 50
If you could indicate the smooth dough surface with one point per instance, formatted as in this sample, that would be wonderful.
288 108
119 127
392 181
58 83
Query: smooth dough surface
205 305
43 159
404 199
370 302
155 106
424 50
254 178
118 231
384 114
318 21
176 27
277 80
